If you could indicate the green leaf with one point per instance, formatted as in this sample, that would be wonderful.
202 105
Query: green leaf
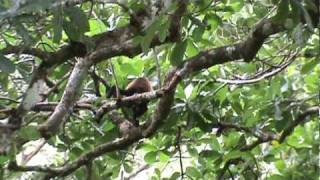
78 18
237 5
148 147
236 154
214 21
236 106
76 151
197 33
57 23
221 95
3 160
296 12
310 65
71 25
163 157
298 138
6 65
248 68
177 54
157 172
282 12
151 157
175 176
133 67
232 139
96 27
163 31
280 165
210 154
29 132
312 83
214 144
127 167
193 172
23 32
107 126
276 177
71 31
151 32
192 48
4 80
192 151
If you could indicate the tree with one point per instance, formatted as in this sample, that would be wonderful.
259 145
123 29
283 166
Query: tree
235 88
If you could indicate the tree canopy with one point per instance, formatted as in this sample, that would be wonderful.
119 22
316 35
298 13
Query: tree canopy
235 89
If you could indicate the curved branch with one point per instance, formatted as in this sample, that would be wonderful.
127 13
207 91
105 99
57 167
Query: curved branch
108 44
161 112
244 50
265 75
288 130
270 137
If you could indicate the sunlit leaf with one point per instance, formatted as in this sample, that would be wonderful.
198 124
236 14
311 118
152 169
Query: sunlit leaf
6 65
177 54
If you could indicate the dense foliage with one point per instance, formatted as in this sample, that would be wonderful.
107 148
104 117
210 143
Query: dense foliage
236 88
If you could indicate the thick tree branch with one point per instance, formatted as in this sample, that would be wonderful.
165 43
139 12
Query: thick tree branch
244 50
108 44
161 112
65 106
120 46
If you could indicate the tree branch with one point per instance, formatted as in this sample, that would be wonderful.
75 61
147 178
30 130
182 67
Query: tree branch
65 106
266 74
25 50
288 130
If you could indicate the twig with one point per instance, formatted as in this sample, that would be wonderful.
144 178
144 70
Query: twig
134 174
89 171
116 81
178 140
262 76
155 52
27 158
54 88
288 130
8 99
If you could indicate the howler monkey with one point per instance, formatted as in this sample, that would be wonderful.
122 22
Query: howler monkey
139 85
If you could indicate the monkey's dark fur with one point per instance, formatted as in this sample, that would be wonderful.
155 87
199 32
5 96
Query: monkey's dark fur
139 85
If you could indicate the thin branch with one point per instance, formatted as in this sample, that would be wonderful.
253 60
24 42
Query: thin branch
89 171
34 152
8 99
270 137
155 53
139 170
25 50
96 83
178 140
115 80
50 106
56 85
265 75
288 130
